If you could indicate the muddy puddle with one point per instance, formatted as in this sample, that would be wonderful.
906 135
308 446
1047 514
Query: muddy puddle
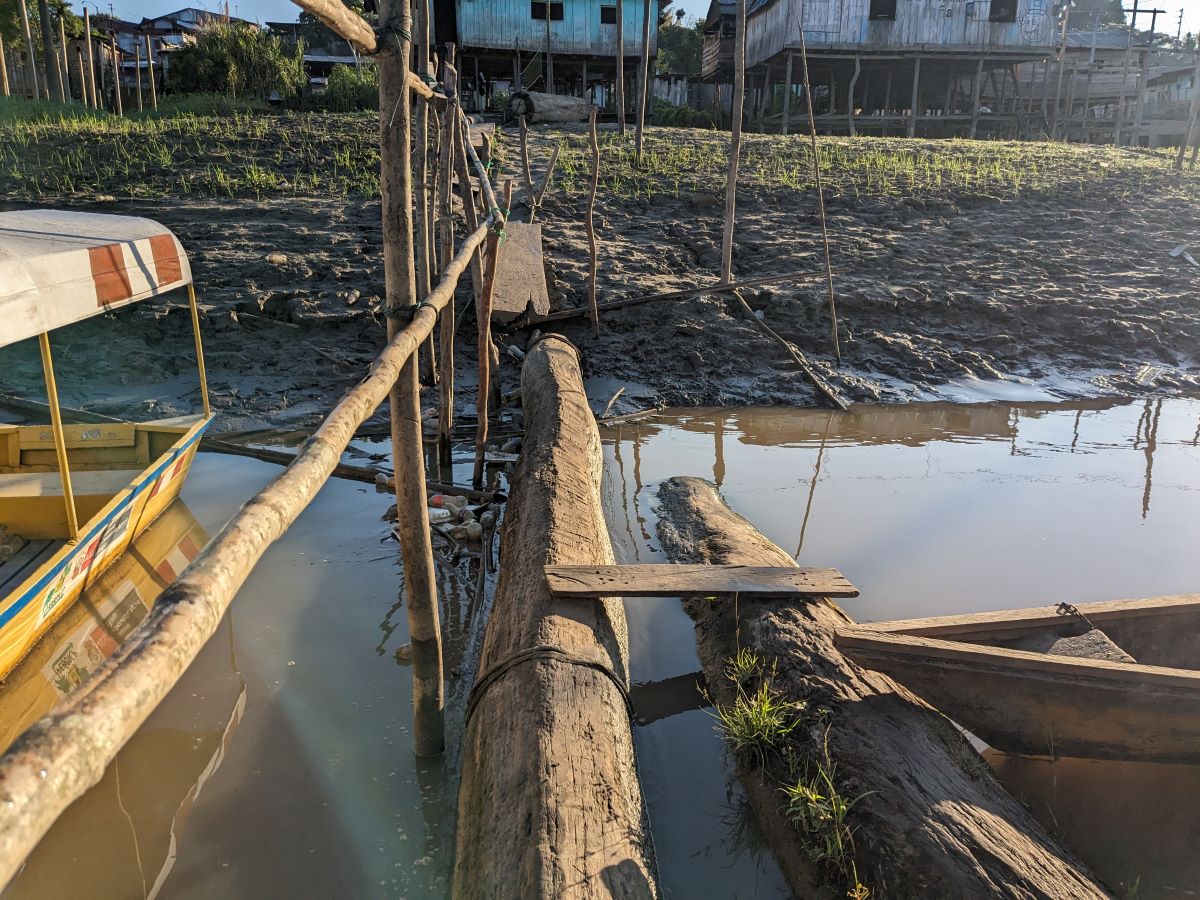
282 763
930 509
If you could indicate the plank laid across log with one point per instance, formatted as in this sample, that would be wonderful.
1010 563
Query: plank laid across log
929 818
520 275
550 804
653 580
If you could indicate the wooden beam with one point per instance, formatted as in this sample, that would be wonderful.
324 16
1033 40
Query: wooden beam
655 580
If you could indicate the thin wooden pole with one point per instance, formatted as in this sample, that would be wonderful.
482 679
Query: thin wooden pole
30 58
1020 105
421 217
812 133
976 85
116 73
735 142
483 316
549 74
529 199
620 67
4 88
91 58
150 75
462 137
1193 113
137 61
916 98
1062 53
1143 89
850 94
1070 98
446 327
66 63
83 91
60 441
589 224
1120 112
404 398
195 309
54 85
645 85
787 93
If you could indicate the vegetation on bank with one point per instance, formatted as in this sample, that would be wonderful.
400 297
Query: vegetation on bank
211 145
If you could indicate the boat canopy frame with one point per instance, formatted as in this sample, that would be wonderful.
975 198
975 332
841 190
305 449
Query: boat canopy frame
59 267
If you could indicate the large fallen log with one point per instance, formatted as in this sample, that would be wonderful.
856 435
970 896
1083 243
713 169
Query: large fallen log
537 107
929 819
550 804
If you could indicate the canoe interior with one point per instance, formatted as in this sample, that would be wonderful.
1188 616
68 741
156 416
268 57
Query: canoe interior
104 459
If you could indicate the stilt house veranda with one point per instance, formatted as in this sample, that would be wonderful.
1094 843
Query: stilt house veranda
885 66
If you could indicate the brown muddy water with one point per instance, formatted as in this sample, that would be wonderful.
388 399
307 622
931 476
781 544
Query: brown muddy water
281 764
930 509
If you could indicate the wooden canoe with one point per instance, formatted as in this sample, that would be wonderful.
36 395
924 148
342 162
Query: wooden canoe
1007 677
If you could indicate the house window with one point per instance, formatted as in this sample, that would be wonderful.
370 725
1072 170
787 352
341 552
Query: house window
538 11
608 15
883 9
1003 11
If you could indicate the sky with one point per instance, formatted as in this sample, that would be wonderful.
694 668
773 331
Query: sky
285 11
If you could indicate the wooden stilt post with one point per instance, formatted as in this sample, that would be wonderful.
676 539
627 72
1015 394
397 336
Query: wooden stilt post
116 74
446 327
887 100
83 83
1143 88
54 87
1070 99
1020 106
150 75
1062 53
787 94
620 77
916 98
1118 118
137 62
30 57
850 94
395 126
976 86
1087 101
589 224
4 88
91 58
949 91
483 316
735 142
549 79
584 79
644 91
1193 114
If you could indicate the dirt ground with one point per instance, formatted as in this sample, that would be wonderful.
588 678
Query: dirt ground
947 293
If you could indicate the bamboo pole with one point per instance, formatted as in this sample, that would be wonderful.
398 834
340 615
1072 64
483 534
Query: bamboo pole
116 73
590 224
91 58
4 88
395 151
29 54
620 79
812 136
150 75
137 61
49 57
735 141
462 135
67 752
450 128
483 318
645 86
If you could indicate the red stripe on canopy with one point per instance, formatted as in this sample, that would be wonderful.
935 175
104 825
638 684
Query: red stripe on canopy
166 259
109 275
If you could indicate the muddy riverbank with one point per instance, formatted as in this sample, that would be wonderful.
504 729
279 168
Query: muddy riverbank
967 271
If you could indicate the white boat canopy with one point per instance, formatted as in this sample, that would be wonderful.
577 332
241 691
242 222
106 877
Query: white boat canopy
59 267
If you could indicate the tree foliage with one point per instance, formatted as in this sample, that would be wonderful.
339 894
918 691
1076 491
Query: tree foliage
679 46
1096 13
237 60
10 23
350 89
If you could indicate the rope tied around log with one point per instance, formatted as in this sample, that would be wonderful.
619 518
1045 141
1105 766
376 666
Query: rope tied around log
534 654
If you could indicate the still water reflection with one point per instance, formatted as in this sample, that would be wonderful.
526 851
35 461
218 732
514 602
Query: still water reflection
930 509
281 765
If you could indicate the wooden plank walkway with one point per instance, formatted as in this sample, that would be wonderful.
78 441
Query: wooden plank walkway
654 580
521 274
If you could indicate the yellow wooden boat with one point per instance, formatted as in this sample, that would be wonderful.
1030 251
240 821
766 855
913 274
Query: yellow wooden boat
72 497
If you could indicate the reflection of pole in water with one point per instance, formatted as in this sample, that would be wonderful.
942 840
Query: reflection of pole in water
1196 436
719 450
1075 436
1151 444
812 486
637 555
637 485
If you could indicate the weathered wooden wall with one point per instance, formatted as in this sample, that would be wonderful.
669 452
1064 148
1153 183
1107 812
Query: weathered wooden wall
931 26
508 25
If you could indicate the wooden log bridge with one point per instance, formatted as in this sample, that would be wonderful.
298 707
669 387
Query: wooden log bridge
550 804
653 580
929 819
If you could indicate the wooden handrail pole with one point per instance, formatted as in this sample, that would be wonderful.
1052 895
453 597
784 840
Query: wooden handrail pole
396 188
343 21
483 315
446 161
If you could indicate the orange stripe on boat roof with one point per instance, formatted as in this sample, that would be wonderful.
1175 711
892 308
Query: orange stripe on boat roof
109 275
166 259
